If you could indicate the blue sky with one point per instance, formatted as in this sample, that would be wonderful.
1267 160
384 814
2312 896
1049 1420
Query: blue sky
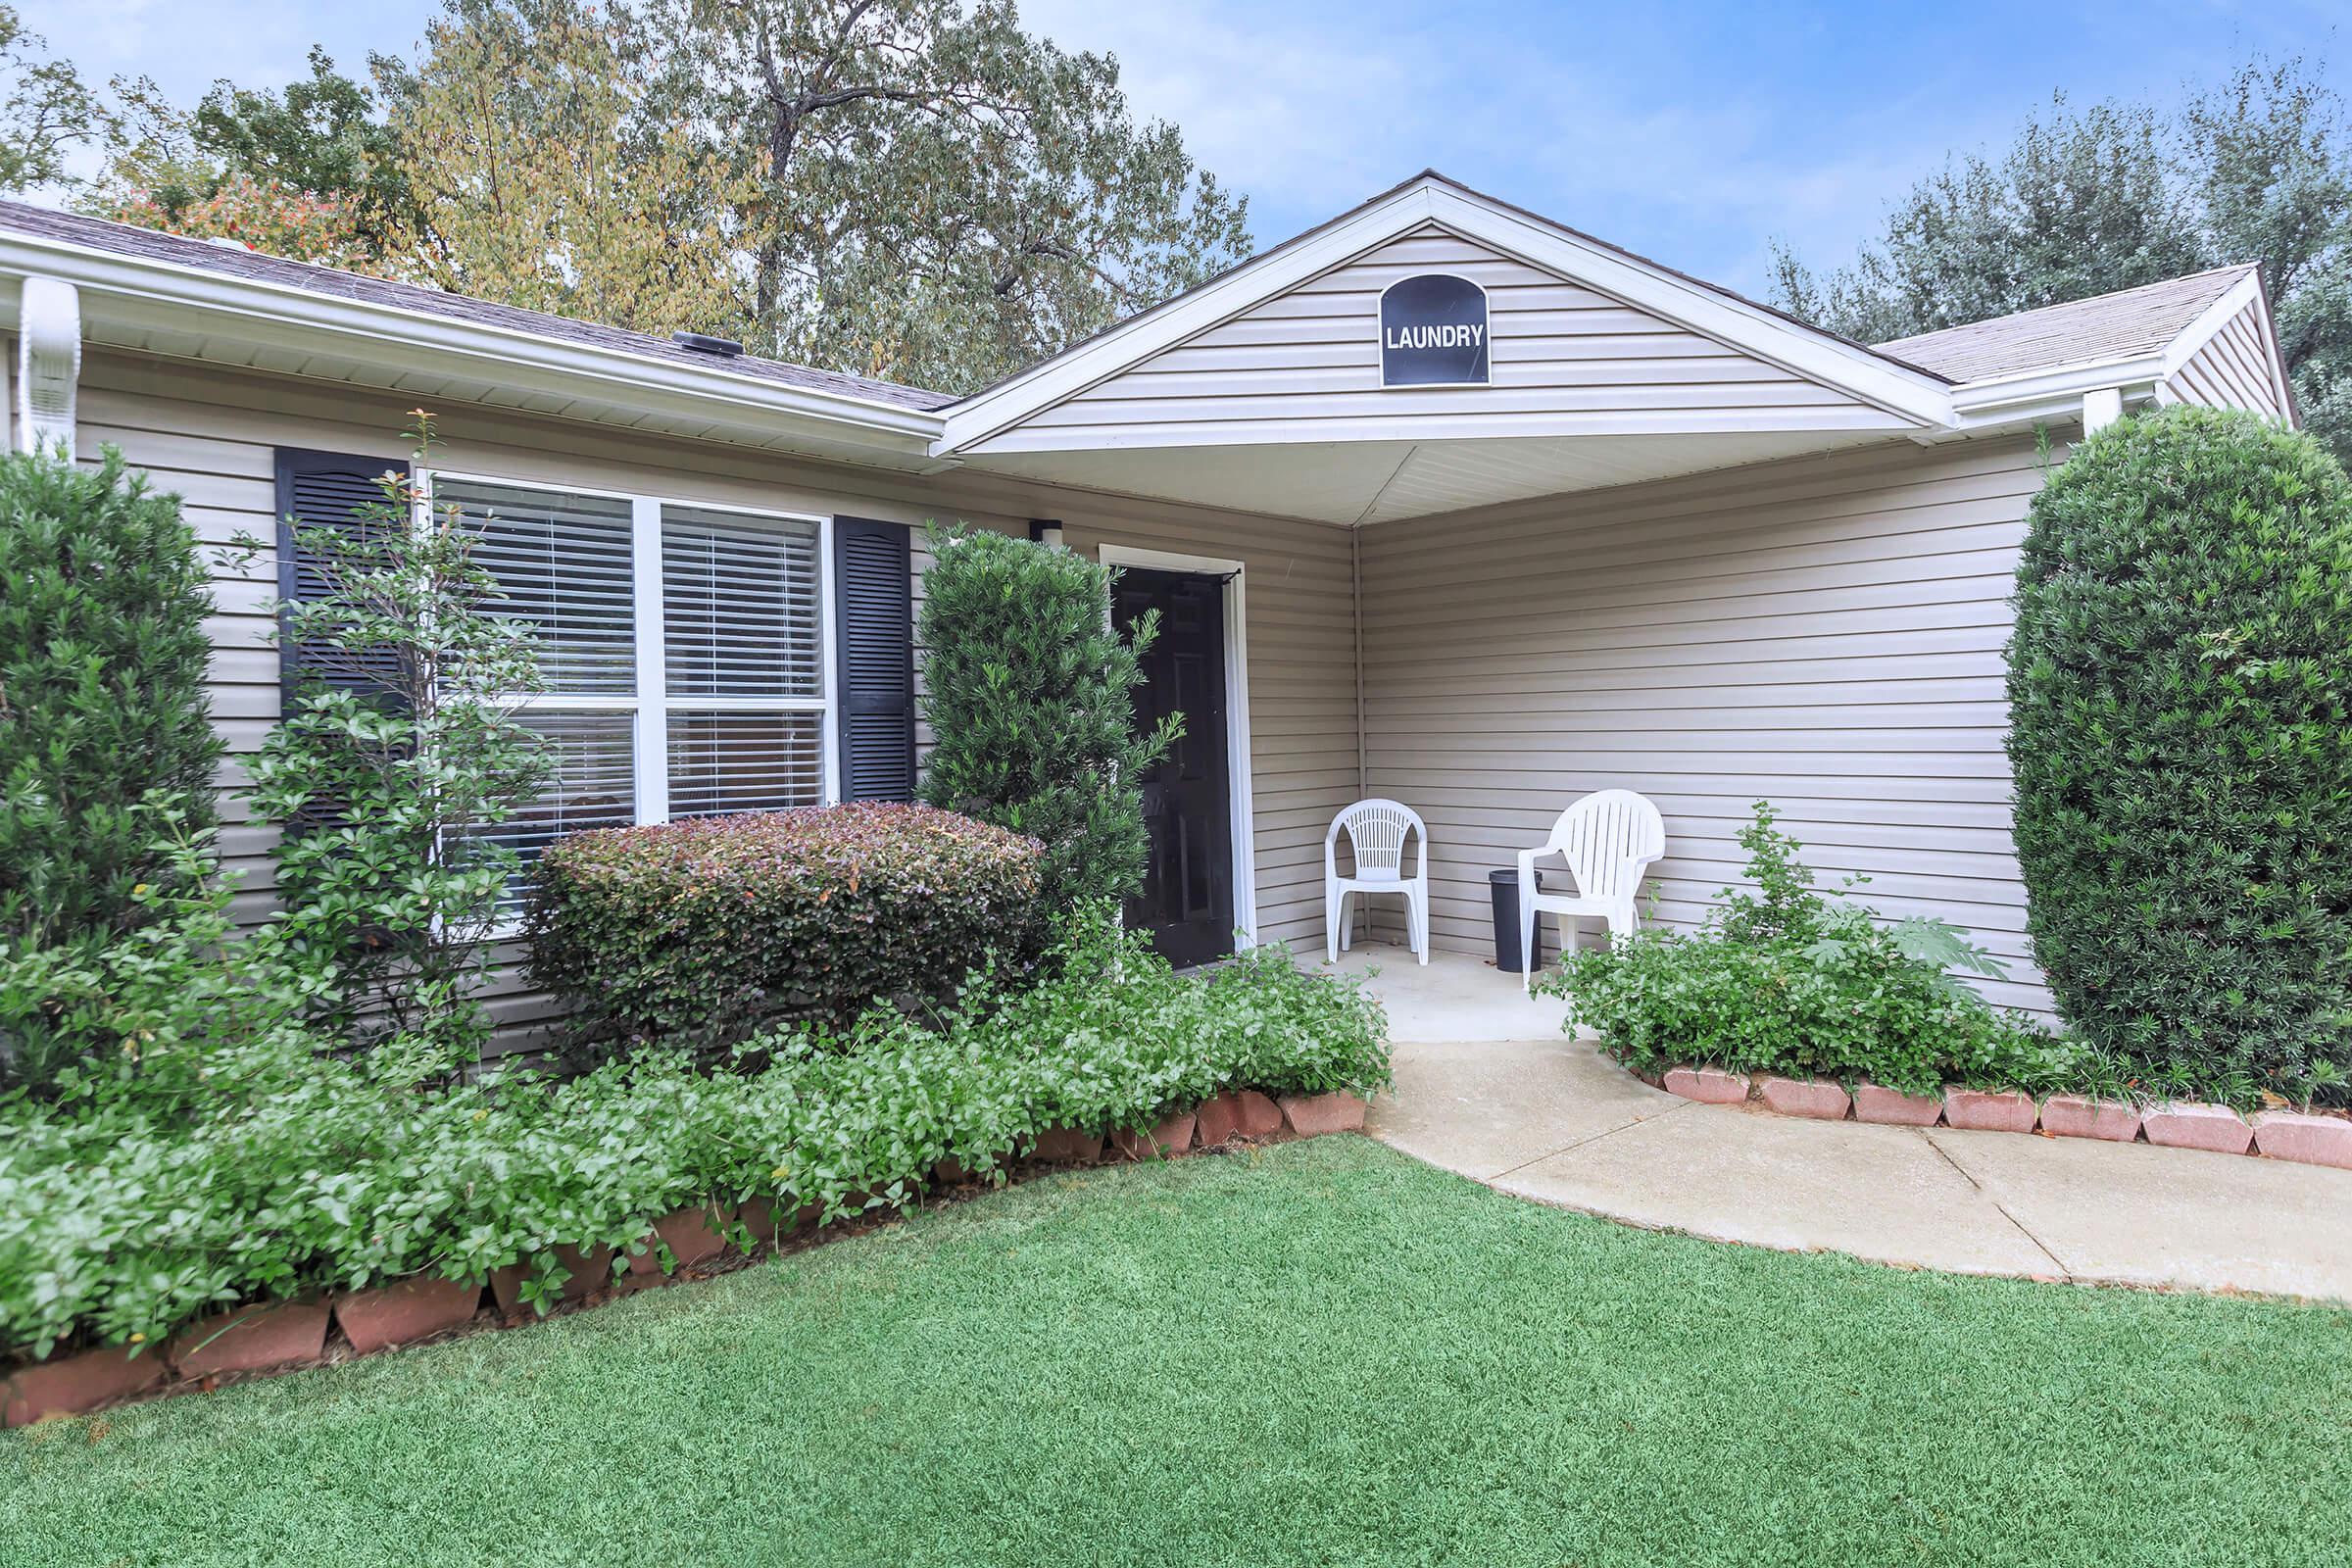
1691 133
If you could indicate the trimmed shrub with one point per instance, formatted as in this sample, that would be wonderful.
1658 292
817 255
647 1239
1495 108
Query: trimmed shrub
121 1218
103 659
698 931
1027 689
1786 980
2180 682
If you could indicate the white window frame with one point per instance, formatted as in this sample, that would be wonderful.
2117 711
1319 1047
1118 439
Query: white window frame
648 706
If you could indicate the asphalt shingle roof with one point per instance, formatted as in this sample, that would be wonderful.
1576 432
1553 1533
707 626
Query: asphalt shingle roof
2136 320
122 239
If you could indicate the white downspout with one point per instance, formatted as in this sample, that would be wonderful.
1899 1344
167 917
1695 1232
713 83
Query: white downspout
48 365
2101 409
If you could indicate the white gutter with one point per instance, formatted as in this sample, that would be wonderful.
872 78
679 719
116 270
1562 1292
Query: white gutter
2054 395
146 294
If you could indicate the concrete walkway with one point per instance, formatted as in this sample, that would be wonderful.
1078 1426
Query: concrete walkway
1488 1085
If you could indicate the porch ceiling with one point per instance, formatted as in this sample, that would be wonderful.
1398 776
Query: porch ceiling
1352 482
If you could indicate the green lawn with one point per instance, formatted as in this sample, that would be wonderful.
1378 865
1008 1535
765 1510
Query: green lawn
1324 1353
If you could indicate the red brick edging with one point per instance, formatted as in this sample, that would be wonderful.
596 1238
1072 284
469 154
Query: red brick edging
266 1338
2295 1136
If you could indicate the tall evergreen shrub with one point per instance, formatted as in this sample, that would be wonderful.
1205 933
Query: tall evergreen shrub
2181 686
103 658
1027 690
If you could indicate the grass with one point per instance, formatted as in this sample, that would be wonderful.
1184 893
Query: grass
1323 1354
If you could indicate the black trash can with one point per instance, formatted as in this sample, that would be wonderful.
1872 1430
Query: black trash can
1505 887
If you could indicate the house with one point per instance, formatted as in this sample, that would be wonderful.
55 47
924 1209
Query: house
1441 500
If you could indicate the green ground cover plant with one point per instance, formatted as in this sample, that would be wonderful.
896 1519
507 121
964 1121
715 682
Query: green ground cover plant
1324 1353
699 931
1785 979
255 1172
2180 698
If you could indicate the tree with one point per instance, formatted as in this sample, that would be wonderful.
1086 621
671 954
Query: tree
541 174
46 110
2181 737
325 137
103 713
400 750
2088 202
941 198
1026 688
307 175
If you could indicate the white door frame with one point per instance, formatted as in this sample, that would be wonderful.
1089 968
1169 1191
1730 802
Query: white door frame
1239 783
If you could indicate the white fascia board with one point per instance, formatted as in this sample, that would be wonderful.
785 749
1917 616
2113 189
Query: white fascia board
1818 356
1912 395
1138 338
2199 333
2053 395
142 292
2245 294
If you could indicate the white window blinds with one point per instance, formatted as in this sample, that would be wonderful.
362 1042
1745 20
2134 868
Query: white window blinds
740 607
563 563
743 658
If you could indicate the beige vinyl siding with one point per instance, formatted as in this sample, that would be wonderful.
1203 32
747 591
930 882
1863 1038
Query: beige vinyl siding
211 437
2232 370
1305 366
1825 633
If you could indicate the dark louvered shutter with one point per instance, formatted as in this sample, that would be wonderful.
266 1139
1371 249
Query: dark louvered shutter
873 584
325 490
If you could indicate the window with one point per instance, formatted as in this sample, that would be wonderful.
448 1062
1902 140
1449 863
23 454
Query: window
682 651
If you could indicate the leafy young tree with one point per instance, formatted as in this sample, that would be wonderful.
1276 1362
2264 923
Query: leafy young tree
541 174
2090 201
400 750
46 110
941 198
1026 688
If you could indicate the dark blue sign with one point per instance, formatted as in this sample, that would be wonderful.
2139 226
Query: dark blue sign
1433 333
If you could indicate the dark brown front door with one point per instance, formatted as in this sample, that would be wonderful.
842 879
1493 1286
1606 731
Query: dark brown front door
1187 901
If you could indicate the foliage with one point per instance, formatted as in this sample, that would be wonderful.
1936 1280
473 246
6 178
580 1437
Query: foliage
311 172
103 663
914 189
155 1011
46 110
1782 979
259 215
542 176
702 929
2182 747
944 198
2087 202
1026 689
399 753
120 1217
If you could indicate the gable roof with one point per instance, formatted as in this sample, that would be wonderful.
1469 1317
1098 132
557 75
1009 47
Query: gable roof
2124 325
236 261
1870 376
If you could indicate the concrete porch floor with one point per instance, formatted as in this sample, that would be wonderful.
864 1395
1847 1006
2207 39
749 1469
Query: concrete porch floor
1486 1084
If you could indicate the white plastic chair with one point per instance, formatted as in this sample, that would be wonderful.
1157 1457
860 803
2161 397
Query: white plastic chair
1610 839
1376 830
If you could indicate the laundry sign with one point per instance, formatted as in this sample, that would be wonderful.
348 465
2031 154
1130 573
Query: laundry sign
1433 333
